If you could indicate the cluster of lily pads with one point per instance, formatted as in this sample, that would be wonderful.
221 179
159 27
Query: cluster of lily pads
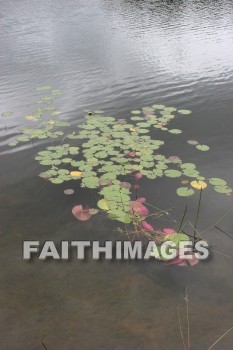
111 155
104 149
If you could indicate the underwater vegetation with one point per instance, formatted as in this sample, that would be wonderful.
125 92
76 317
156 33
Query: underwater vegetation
111 155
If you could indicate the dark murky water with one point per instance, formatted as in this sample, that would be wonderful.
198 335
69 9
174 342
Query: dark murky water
116 56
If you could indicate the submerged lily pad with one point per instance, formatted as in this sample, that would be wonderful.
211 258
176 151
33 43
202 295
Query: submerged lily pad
56 92
98 112
44 88
6 114
13 143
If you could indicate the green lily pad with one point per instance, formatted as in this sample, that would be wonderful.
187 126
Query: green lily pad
136 112
173 173
222 189
203 148
184 111
217 182
184 191
56 181
175 131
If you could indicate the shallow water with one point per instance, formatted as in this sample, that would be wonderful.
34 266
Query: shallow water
116 56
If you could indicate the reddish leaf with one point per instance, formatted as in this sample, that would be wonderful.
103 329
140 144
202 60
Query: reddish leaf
176 261
141 200
193 261
80 213
146 226
138 176
169 231
137 207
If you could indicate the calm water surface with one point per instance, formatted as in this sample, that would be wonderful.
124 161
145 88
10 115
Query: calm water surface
116 56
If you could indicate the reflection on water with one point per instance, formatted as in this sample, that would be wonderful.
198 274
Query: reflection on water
116 56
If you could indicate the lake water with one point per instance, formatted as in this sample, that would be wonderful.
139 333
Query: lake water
115 56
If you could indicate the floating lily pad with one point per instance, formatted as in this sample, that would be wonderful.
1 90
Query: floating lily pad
56 181
217 181
175 159
184 111
80 213
193 142
103 204
69 191
173 173
175 131
203 148
223 189
158 106
44 175
184 191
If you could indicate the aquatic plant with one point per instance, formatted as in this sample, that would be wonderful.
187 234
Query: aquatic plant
111 155
187 341
105 150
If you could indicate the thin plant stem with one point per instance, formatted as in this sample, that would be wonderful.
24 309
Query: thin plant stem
210 227
187 315
43 344
227 234
227 256
188 222
198 211
181 332
183 217
220 338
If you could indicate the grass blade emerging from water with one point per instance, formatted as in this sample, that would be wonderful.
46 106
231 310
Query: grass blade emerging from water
220 338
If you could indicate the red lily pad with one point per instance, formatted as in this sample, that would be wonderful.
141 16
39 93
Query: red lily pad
168 231
137 207
138 176
184 262
80 213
